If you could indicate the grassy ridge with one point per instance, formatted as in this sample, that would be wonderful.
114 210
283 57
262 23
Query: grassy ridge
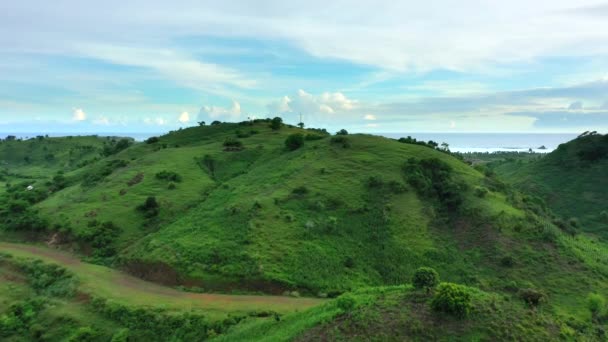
571 180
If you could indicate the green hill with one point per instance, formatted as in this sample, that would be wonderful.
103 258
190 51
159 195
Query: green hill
245 208
571 180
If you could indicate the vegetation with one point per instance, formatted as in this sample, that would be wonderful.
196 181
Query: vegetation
355 225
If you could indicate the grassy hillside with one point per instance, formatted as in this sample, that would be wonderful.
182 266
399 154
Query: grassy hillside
245 208
571 180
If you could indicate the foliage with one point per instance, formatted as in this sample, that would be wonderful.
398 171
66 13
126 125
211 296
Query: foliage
149 208
452 299
152 140
114 146
532 297
232 144
169 176
342 132
346 302
276 123
294 141
425 278
340 140
433 178
596 304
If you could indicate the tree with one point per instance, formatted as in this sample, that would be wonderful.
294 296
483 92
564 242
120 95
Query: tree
342 132
425 278
294 141
202 123
301 125
276 123
215 123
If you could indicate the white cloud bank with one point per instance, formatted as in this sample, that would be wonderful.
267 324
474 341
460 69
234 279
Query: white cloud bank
79 115
215 112
184 117
306 103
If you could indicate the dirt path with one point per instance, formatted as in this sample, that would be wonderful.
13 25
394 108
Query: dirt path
115 285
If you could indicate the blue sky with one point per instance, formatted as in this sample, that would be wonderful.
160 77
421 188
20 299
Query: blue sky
381 66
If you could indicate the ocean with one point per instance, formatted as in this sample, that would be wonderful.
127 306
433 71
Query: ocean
458 142
493 142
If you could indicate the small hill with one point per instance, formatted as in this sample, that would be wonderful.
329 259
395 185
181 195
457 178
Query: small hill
261 208
571 180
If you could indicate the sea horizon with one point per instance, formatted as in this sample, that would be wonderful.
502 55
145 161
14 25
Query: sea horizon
458 142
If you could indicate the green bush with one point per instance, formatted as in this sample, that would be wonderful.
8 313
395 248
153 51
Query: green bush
596 303
481 191
434 178
532 297
341 140
313 136
453 299
300 190
169 176
232 144
425 278
84 334
276 123
294 141
150 207
604 216
152 140
346 302
342 132
507 261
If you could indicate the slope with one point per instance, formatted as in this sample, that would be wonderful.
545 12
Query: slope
571 180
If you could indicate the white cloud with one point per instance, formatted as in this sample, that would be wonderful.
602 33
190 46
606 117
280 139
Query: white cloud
370 117
306 103
184 117
372 125
215 112
79 115
158 121
101 120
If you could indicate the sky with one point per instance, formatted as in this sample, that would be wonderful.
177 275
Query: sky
367 66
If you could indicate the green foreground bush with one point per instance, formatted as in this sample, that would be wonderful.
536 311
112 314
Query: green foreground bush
452 299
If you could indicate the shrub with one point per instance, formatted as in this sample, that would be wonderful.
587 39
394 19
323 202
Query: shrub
346 302
313 136
532 296
374 182
507 261
573 222
604 216
169 176
84 334
276 123
453 299
433 178
596 303
300 190
150 207
231 143
340 140
294 141
216 122
152 140
342 132
396 187
425 278
481 191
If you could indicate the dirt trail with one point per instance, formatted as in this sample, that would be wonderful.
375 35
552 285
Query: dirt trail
113 284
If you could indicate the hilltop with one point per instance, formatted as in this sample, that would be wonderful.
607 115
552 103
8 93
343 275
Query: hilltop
266 208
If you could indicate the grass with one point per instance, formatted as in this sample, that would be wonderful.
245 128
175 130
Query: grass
319 221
